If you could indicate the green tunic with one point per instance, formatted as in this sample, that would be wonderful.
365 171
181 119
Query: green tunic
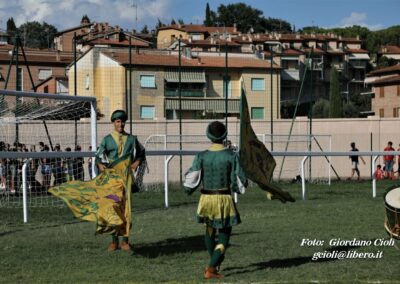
217 169
114 146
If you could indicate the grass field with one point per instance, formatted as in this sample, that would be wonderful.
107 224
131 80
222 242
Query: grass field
266 248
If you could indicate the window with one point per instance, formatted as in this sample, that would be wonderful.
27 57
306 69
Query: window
382 92
395 112
46 89
398 90
45 73
257 84
87 82
257 113
381 112
147 112
147 81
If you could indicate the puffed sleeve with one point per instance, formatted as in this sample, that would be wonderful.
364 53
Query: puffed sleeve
193 176
140 152
238 177
101 154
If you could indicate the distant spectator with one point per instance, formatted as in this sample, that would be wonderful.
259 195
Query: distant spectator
389 161
56 167
398 162
90 164
68 166
78 162
46 169
379 174
354 162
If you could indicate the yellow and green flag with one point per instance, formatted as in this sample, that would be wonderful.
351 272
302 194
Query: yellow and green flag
256 161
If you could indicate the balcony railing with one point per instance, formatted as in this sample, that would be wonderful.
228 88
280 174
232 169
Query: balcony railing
358 64
317 64
338 65
184 93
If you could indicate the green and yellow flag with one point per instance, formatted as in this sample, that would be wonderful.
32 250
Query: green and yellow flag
256 161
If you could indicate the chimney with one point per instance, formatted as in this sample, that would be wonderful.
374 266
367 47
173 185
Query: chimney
358 37
58 57
199 60
234 28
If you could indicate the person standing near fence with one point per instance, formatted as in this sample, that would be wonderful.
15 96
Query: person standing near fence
355 162
389 161
219 171
106 200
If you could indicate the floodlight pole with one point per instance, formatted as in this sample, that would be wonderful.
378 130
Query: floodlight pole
130 86
180 105
75 89
226 87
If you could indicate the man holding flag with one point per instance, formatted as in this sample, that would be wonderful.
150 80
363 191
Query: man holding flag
256 161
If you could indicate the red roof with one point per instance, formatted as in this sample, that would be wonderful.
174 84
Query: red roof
40 57
291 51
199 28
207 42
387 81
202 62
114 42
316 50
389 49
349 50
385 70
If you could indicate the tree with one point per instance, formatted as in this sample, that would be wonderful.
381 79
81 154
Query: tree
350 110
321 109
11 30
210 19
159 24
386 62
181 22
37 35
145 30
335 99
173 22
248 19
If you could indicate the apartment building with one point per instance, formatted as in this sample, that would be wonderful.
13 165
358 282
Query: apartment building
154 79
385 84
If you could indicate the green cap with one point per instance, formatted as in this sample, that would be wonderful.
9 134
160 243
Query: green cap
216 132
119 114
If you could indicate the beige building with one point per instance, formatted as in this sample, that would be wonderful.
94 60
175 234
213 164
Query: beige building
104 73
167 35
385 84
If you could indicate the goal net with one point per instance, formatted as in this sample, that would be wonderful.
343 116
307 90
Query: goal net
51 136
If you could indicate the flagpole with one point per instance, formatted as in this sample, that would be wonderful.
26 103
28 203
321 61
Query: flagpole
271 101
226 87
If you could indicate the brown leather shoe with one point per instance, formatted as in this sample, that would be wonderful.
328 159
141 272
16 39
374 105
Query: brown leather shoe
126 246
211 272
113 247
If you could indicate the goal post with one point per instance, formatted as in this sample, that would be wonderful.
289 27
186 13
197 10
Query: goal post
48 136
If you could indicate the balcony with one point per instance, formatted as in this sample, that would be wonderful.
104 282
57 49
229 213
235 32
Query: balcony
338 65
184 93
290 74
317 64
358 64
205 104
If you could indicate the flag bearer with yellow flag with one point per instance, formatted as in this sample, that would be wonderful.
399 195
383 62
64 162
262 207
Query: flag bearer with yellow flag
218 169
106 200
256 161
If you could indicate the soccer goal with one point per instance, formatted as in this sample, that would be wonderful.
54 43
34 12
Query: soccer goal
45 137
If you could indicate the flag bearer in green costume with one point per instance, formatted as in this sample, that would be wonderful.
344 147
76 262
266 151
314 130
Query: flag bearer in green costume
113 146
218 169
106 199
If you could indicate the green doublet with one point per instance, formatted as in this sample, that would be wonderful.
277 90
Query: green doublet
113 147
217 169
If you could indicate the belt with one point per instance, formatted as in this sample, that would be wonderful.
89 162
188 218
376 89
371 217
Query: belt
214 192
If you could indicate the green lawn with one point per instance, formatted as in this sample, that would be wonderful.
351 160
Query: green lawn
54 247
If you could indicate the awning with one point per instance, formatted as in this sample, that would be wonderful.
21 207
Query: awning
214 105
290 58
187 76
358 56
